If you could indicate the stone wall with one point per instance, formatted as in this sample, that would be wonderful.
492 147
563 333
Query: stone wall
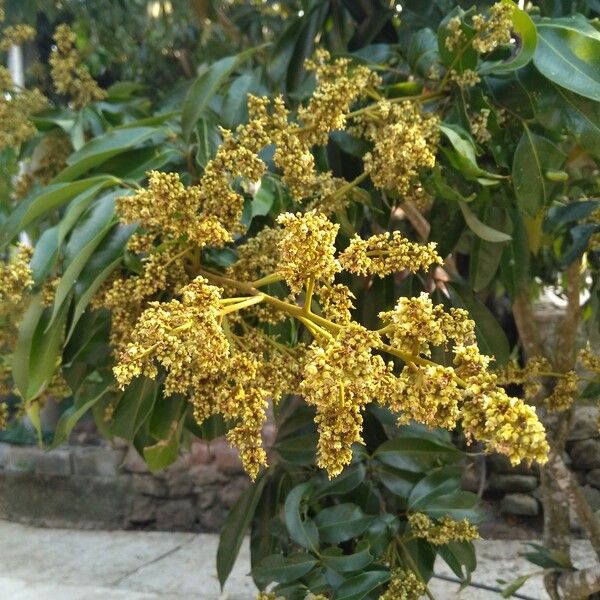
110 487
517 489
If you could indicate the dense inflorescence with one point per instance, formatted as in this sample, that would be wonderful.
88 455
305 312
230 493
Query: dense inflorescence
70 76
207 342
444 531
404 585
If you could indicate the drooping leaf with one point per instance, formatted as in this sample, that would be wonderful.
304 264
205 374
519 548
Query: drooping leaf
362 585
341 522
302 529
534 156
284 569
568 53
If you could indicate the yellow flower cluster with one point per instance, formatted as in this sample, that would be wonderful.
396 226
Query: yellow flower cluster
468 78
387 253
405 141
258 256
15 35
339 85
495 29
307 249
70 76
415 324
336 302
479 126
185 337
170 209
15 279
446 530
4 414
455 35
506 425
235 158
16 108
564 392
126 297
341 376
404 585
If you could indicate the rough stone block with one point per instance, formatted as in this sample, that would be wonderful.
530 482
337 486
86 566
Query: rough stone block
204 475
592 495
585 454
593 478
499 463
148 485
54 462
97 461
512 483
142 510
176 514
584 424
213 518
519 504
134 463
20 459
231 492
180 484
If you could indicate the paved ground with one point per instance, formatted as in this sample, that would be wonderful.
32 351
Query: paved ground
62 564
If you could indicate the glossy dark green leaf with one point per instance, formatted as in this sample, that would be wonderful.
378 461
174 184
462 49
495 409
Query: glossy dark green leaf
165 451
236 526
457 505
206 86
460 557
45 255
298 450
485 232
73 414
341 522
362 585
437 482
302 529
345 482
514 264
569 213
414 454
423 52
103 147
568 53
134 408
534 156
381 532
284 569
334 559
208 140
490 335
49 198
399 482
579 240
83 241
37 350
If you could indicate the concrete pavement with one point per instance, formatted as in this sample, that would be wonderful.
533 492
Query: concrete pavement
62 564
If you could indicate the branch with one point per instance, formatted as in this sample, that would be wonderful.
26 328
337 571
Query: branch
528 332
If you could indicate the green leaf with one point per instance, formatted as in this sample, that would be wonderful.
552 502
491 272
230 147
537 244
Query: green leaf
166 451
341 522
84 240
485 232
205 87
381 532
515 586
37 350
284 569
302 530
236 526
362 585
415 454
73 414
437 482
458 555
103 147
490 335
525 32
49 198
400 483
423 52
485 256
208 140
105 259
333 558
298 450
514 264
345 482
134 408
534 156
568 53
45 255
